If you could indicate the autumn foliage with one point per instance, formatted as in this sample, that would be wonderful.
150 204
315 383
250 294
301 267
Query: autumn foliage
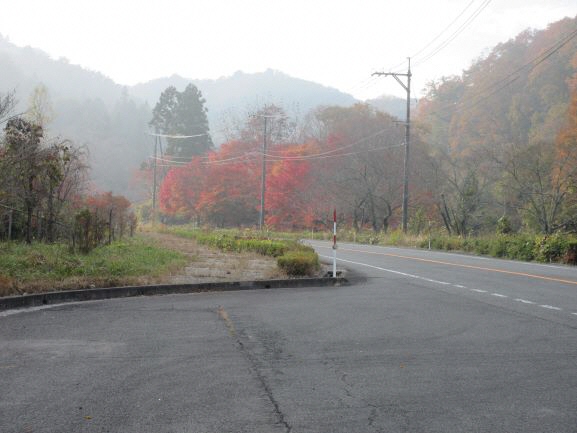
348 158
223 188
491 150
104 217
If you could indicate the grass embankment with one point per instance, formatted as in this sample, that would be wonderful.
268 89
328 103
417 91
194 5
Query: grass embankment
45 267
292 257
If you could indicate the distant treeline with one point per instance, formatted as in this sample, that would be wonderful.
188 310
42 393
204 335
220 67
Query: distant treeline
493 150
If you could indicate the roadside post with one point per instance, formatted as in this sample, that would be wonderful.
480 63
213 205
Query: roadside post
335 243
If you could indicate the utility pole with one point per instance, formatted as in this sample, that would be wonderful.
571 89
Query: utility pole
156 138
263 174
407 88
263 178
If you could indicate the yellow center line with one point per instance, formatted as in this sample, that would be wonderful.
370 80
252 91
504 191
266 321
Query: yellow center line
480 268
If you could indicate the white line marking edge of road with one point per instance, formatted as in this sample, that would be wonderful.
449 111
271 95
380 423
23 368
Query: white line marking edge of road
499 295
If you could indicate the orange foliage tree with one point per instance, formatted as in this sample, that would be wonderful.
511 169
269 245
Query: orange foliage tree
231 190
289 197
181 189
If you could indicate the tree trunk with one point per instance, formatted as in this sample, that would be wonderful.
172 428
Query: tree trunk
50 222
10 216
29 212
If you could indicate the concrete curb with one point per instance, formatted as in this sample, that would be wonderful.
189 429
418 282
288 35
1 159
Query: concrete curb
38 299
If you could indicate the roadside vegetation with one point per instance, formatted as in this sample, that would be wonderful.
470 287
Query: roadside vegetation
292 257
497 176
46 267
554 248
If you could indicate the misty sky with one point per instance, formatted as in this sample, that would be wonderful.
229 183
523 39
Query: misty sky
332 42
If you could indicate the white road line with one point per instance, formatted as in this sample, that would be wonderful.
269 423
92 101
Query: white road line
404 274
550 307
524 301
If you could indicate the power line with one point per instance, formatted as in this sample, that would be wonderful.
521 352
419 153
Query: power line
372 80
271 153
175 136
510 78
316 157
369 137
312 156
443 31
340 155
161 159
415 55
456 33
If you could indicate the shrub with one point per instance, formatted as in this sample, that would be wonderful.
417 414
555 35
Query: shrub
293 257
570 256
551 248
262 246
396 237
521 247
299 263
504 226
498 246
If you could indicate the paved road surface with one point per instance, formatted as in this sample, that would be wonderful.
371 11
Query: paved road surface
532 286
424 342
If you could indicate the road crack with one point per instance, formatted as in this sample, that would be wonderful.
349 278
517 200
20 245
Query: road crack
254 366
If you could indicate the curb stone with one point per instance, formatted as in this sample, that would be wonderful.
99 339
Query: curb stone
39 299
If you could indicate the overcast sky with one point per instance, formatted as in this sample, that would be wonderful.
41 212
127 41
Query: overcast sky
338 43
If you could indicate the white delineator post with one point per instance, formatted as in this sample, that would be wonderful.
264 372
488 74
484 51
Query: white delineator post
335 243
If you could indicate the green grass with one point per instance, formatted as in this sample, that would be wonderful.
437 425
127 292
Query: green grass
42 266
302 263
292 257
559 247
236 241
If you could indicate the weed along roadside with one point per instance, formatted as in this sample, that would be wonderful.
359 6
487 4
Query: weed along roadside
150 264
41 267
292 257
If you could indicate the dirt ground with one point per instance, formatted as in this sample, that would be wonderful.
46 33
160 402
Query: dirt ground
208 265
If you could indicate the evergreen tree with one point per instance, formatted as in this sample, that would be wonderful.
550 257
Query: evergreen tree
183 114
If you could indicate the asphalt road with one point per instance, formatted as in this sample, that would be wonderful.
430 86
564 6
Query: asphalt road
422 342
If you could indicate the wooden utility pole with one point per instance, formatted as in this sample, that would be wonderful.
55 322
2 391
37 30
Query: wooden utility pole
154 180
407 88
263 178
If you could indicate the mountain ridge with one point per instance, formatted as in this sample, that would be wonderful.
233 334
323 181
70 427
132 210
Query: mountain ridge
111 119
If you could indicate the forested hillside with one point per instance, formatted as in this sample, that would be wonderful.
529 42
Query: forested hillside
112 120
491 150
85 107
229 99
495 133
